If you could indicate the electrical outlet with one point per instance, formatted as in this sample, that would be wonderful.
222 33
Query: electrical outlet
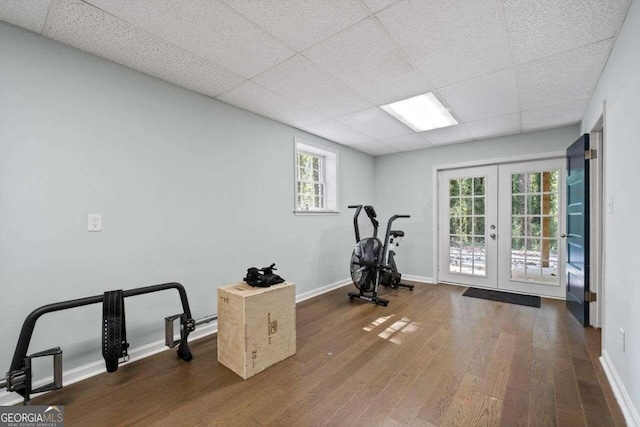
94 222
622 343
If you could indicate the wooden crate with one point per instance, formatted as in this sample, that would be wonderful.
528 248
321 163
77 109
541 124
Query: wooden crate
256 326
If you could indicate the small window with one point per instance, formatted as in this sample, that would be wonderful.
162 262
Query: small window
316 180
311 184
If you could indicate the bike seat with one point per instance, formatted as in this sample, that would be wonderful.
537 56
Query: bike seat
397 233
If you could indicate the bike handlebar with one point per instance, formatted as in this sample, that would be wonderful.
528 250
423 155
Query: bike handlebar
356 227
386 237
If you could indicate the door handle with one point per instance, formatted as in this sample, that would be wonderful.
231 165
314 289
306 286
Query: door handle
493 236
564 236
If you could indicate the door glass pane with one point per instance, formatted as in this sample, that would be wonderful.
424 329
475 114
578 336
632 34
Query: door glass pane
466 206
550 182
478 226
550 261
533 205
517 226
533 183
478 205
454 206
532 255
466 258
478 186
517 258
549 204
454 187
467 246
467 225
454 254
533 248
517 205
479 256
550 227
454 225
517 183
534 227
466 186
533 274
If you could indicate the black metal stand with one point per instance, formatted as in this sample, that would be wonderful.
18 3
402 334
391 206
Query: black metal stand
374 299
20 374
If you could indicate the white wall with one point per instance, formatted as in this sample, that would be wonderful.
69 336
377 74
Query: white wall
619 86
404 185
190 189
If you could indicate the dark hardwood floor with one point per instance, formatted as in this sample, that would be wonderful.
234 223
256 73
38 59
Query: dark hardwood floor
431 358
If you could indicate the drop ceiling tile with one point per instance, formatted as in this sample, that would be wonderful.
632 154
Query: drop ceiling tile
539 28
563 77
301 23
450 41
337 132
210 29
78 24
376 123
375 148
302 81
368 60
377 5
407 142
257 99
447 135
554 116
30 14
495 126
487 96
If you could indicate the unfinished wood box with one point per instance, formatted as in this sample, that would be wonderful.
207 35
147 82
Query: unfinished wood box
256 326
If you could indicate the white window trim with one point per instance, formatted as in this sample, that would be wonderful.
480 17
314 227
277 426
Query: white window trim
331 178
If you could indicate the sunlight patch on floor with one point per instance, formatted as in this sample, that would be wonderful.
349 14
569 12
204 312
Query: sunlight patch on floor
397 332
379 321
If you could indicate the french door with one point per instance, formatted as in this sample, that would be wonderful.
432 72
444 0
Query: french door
468 202
500 226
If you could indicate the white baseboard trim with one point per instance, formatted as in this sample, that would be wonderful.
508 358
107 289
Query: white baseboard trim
95 368
323 290
420 279
629 411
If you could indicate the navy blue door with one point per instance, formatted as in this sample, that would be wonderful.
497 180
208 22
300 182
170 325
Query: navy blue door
578 229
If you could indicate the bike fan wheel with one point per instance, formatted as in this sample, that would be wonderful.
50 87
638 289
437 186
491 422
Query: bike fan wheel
364 263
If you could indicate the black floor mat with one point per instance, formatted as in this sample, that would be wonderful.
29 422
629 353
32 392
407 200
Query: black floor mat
528 300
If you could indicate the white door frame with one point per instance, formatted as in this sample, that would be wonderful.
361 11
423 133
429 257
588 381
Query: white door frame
435 184
598 210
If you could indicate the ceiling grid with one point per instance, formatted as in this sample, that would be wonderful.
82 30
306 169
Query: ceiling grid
326 66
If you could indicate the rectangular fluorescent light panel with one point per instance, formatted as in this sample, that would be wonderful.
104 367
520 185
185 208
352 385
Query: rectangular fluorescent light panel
422 112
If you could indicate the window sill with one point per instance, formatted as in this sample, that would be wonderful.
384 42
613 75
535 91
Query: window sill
303 213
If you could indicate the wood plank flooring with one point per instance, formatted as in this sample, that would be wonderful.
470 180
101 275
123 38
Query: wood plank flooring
431 358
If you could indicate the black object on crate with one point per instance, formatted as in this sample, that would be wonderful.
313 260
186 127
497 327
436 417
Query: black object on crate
262 277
